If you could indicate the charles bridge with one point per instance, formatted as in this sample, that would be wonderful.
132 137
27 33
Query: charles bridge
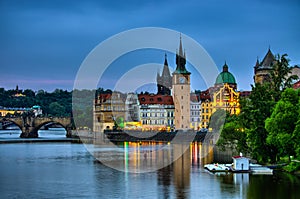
30 124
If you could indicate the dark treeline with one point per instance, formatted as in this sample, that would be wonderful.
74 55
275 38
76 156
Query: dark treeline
57 103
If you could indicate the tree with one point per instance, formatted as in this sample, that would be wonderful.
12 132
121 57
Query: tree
281 124
280 75
217 120
233 135
29 93
296 136
258 109
56 109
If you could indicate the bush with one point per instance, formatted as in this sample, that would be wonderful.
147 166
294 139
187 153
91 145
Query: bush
292 167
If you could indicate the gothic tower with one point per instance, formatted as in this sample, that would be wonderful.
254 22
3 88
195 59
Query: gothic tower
181 91
164 82
263 69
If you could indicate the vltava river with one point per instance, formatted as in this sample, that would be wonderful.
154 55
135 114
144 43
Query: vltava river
68 170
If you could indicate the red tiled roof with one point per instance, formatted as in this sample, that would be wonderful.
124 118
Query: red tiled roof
296 85
155 99
103 97
237 157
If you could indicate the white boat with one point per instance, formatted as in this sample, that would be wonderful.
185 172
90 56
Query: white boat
259 169
216 167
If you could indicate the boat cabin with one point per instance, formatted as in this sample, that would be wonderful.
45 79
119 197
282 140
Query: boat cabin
240 163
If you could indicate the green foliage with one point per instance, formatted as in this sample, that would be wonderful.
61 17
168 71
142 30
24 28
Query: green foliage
292 167
280 75
217 120
55 109
119 123
233 135
281 124
42 98
258 109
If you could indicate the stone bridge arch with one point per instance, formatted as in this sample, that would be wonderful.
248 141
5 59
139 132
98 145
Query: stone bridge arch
16 120
38 122
30 125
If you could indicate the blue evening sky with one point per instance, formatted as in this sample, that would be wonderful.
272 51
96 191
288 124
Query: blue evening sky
43 43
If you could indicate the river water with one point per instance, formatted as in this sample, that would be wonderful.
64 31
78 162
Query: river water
69 170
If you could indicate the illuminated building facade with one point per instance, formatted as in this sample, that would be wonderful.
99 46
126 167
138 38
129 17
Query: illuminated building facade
156 111
4 111
195 105
222 96
108 108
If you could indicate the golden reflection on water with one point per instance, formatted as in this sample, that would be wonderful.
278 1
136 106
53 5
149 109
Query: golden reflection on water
149 156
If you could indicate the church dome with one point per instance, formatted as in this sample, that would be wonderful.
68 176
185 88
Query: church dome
225 76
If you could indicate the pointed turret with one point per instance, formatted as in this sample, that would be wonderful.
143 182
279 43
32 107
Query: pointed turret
166 61
225 67
262 69
164 82
180 47
181 60
268 60
166 71
257 63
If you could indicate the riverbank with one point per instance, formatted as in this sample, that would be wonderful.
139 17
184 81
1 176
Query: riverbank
156 136
33 140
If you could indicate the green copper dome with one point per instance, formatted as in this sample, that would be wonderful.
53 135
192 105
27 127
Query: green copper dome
225 77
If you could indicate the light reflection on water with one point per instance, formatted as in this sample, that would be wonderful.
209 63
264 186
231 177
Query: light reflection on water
51 133
66 170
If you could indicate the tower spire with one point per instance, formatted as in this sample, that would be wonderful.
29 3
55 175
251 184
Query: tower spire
257 62
181 60
180 47
166 61
225 67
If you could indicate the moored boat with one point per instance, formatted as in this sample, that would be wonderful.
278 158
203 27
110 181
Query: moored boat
217 167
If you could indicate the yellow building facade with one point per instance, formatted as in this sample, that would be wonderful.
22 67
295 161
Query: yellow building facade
222 96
